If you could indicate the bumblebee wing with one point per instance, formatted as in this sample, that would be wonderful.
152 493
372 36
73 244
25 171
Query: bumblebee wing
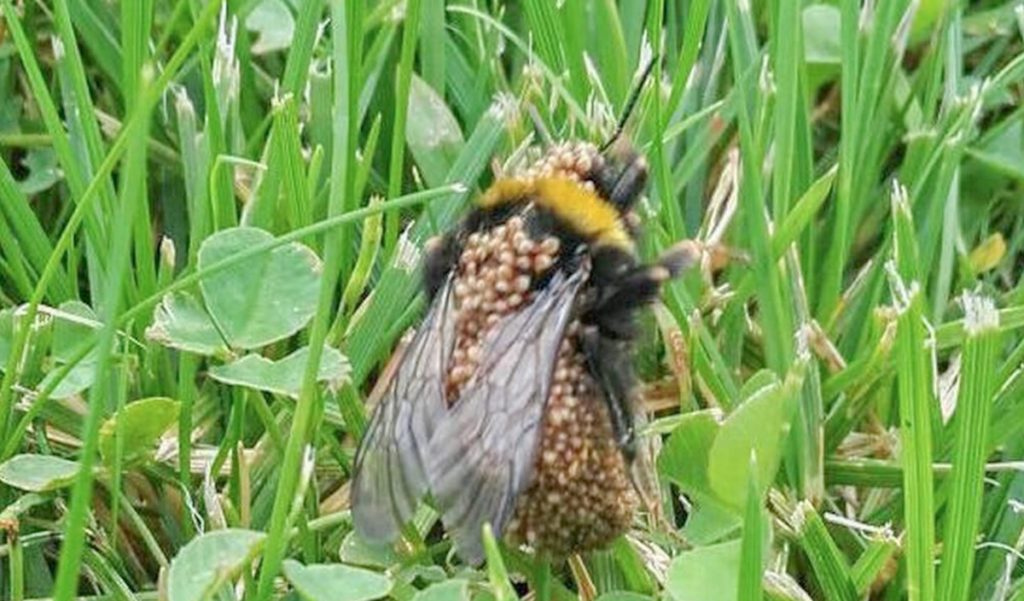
389 475
481 455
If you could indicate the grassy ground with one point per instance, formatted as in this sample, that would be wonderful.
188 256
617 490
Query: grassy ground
181 398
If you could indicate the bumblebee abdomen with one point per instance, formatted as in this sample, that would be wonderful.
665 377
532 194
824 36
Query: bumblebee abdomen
580 497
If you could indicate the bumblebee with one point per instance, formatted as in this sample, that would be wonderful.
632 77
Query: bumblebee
513 403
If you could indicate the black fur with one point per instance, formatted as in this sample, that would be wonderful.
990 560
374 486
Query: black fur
621 179
441 255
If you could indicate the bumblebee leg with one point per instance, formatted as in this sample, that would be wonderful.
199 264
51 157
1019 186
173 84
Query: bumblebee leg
610 365
628 287
680 256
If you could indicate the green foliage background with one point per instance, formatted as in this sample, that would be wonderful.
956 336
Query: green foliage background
211 214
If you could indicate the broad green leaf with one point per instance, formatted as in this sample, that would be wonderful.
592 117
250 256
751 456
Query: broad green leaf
705 573
209 560
284 376
432 132
180 321
22 505
821 34
354 550
38 473
709 521
72 326
336 582
684 457
274 25
760 425
78 379
43 171
265 298
142 424
449 590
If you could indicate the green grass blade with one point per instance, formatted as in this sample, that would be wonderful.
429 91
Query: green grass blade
829 565
300 53
971 418
878 558
403 79
915 402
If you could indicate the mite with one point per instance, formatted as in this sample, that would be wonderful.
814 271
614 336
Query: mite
513 404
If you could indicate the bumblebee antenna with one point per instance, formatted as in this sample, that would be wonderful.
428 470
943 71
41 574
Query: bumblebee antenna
631 101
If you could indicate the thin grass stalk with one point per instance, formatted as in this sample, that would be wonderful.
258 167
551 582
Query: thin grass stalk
300 52
673 214
431 39
15 565
82 97
30 235
403 79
